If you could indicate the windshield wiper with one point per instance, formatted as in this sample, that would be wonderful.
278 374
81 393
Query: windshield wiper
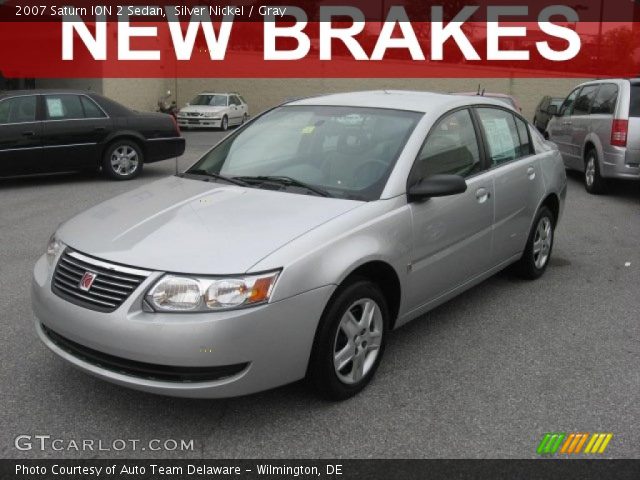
217 176
286 181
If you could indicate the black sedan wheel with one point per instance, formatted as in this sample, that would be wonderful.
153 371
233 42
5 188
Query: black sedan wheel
123 160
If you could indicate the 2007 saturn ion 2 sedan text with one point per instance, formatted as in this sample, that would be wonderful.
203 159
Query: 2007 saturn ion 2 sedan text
295 245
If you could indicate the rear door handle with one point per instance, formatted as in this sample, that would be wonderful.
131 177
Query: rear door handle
482 195
99 129
28 133
531 173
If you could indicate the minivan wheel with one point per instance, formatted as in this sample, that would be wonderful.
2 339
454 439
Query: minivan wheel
593 181
123 160
350 340
537 253
224 125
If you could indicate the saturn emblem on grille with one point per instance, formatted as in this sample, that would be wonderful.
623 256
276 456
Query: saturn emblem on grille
87 281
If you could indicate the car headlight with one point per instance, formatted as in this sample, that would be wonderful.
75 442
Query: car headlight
54 248
173 293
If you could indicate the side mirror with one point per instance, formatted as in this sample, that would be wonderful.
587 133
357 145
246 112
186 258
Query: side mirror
437 186
552 110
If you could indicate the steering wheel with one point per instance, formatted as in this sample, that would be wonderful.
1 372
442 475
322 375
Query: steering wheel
370 172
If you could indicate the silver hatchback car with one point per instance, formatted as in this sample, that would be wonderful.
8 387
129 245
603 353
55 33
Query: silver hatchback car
597 130
294 246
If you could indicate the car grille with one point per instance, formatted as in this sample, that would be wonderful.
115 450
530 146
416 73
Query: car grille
140 369
112 284
194 114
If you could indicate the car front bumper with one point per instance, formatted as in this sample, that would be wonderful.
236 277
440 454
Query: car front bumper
255 348
199 122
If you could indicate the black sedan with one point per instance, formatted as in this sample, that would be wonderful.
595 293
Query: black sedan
44 131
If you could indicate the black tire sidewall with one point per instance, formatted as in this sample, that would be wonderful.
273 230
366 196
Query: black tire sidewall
224 124
321 370
106 160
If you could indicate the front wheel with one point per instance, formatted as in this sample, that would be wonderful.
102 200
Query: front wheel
350 341
537 254
224 124
123 160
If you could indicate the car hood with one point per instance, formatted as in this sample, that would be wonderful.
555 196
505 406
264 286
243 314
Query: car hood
202 109
183 225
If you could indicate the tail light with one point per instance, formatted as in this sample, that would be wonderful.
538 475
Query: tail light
619 133
175 124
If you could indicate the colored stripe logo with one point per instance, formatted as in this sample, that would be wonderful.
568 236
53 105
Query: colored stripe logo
574 443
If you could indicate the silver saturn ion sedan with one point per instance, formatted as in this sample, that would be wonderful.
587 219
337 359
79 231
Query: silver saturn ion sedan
295 245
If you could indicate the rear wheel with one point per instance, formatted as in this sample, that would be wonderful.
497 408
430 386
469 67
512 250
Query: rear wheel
350 341
537 254
123 160
593 181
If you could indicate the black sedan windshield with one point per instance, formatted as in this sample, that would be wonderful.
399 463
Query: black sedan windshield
347 152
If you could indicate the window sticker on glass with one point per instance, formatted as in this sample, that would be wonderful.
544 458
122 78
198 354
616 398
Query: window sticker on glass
308 130
55 108
499 137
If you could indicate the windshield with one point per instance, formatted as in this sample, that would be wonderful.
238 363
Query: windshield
347 152
210 100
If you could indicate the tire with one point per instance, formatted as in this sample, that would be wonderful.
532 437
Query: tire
245 117
123 160
360 341
593 181
536 256
224 124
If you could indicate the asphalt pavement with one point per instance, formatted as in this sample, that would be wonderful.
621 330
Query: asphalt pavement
485 375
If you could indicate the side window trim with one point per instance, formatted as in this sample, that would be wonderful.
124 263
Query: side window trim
479 140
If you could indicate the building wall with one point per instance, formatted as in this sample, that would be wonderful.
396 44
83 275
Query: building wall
91 84
261 94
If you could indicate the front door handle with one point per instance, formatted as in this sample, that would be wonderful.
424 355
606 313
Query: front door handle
482 195
99 129
28 133
531 173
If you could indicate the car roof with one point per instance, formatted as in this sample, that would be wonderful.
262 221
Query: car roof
413 101
217 93
45 91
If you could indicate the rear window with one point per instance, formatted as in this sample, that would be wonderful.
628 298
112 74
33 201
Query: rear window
634 107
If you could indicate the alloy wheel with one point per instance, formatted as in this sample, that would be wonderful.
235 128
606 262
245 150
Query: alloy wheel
542 242
358 340
590 171
124 160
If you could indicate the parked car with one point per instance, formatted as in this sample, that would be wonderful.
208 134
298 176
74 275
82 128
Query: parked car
508 99
597 130
541 117
214 110
295 245
45 131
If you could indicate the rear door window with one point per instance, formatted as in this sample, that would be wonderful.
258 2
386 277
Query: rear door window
582 105
63 107
605 101
501 133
